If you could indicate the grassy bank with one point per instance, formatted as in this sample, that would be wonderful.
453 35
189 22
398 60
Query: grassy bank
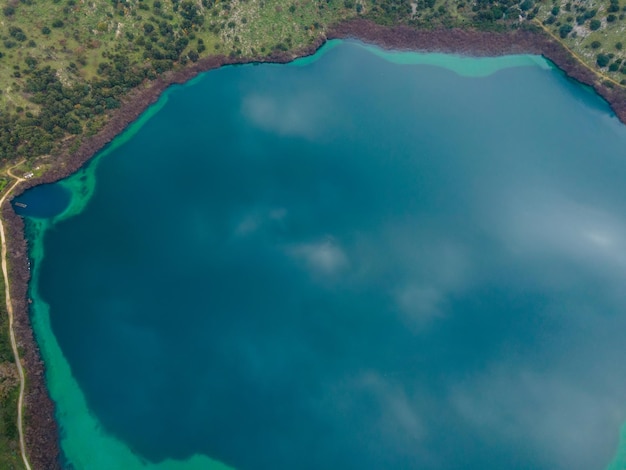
66 65
9 389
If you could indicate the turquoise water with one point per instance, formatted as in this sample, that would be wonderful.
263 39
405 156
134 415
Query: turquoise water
361 260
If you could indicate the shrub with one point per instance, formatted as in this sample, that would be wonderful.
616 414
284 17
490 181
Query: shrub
565 30
526 5
594 25
17 33
590 14
595 44
602 60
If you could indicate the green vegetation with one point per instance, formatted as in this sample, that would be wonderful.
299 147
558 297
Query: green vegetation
9 390
67 65
9 448
595 32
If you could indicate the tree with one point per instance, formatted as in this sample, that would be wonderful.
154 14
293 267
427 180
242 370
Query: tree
603 60
526 5
565 30
594 25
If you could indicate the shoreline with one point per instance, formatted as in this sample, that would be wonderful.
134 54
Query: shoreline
42 434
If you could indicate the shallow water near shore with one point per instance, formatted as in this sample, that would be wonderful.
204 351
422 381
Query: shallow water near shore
363 260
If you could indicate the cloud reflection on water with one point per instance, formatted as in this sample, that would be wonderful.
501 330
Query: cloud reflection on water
420 286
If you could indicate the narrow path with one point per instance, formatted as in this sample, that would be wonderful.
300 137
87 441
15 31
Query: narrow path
7 293
577 57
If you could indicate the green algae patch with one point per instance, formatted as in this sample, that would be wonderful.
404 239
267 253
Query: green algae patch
462 65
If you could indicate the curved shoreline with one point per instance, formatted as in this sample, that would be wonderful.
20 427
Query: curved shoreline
42 440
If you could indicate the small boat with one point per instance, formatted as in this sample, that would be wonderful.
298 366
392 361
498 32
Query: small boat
20 204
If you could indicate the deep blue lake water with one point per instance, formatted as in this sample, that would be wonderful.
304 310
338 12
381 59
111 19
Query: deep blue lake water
350 263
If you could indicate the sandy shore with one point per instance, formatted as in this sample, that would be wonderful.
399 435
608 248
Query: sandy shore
42 440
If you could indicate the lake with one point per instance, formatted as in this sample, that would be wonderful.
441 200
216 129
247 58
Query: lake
364 259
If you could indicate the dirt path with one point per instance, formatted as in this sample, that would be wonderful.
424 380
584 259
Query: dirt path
7 292
577 57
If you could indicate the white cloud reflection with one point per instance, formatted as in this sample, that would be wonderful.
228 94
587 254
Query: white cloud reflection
301 115
397 417
257 218
550 226
558 422
325 257
419 303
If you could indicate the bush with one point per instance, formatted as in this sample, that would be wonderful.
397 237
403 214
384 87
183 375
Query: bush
17 33
611 18
565 30
57 24
590 14
31 62
112 103
594 25
614 67
595 44
602 60
526 5
45 30
619 46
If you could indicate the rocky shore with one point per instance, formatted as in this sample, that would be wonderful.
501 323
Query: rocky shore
480 43
42 439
